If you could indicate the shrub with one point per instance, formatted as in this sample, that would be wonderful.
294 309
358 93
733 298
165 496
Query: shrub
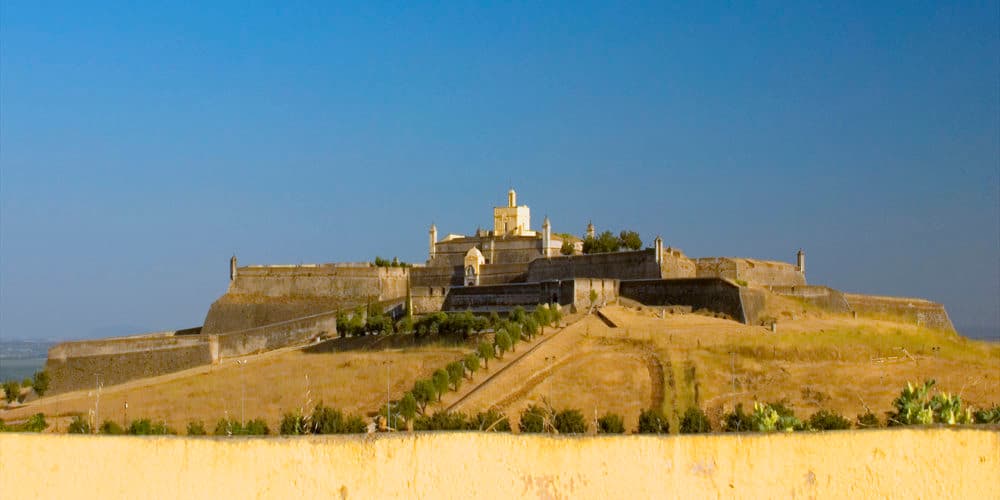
868 421
769 417
695 421
441 382
79 426
196 428
610 423
26 383
828 420
987 416
326 420
144 427
227 427
111 428
41 382
915 406
630 240
12 390
256 427
570 422
442 421
293 424
652 421
566 248
490 421
533 419
35 423
737 421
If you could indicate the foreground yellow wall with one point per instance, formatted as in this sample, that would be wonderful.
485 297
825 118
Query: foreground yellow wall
930 463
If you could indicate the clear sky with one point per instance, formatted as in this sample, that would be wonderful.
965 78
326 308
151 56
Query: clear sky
142 143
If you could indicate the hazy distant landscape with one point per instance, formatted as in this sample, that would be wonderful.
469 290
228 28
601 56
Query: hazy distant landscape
22 358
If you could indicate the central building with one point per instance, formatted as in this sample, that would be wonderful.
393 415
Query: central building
511 241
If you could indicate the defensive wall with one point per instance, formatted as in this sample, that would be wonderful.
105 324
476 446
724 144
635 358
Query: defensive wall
714 294
888 463
754 272
487 298
823 297
618 265
919 311
489 274
77 365
263 295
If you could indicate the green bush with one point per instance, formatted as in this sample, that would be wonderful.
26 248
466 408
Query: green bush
652 421
41 382
916 406
442 421
828 420
610 423
630 240
533 419
12 390
490 421
770 417
293 424
257 427
111 428
196 428
79 426
144 427
737 421
570 422
566 248
326 420
407 407
987 416
456 372
868 421
35 423
695 421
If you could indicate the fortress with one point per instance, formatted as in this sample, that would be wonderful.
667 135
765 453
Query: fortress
271 306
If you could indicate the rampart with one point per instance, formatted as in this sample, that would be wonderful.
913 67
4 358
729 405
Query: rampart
79 365
754 272
896 463
263 295
528 295
617 265
823 297
919 311
714 294
277 335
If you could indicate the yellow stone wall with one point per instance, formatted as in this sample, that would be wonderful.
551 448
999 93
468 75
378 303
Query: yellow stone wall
904 463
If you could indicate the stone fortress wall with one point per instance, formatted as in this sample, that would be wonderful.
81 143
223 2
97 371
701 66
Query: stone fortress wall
908 310
754 272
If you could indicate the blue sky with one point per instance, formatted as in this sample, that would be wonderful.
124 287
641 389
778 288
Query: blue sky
141 144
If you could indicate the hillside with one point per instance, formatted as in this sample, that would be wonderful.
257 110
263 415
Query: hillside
815 360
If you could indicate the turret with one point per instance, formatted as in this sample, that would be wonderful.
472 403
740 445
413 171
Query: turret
511 198
658 246
590 230
800 261
546 236
433 238
232 268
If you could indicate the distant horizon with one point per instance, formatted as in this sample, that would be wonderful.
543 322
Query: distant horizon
141 145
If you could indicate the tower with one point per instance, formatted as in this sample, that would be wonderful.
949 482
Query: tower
546 236
232 268
511 198
800 261
658 245
590 230
433 238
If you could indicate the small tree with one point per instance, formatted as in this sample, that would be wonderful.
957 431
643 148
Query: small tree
695 421
41 382
868 421
424 393
456 370
502 342
593 297
35 423
610 423
570 422
567 248
79 426
441 382
257 427
652 421
471 363
485 351
196 428
145 427
530 327
407 407
630 240
533 419
12 390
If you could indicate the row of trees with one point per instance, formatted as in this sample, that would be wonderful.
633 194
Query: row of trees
608 242
395 262
39 383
